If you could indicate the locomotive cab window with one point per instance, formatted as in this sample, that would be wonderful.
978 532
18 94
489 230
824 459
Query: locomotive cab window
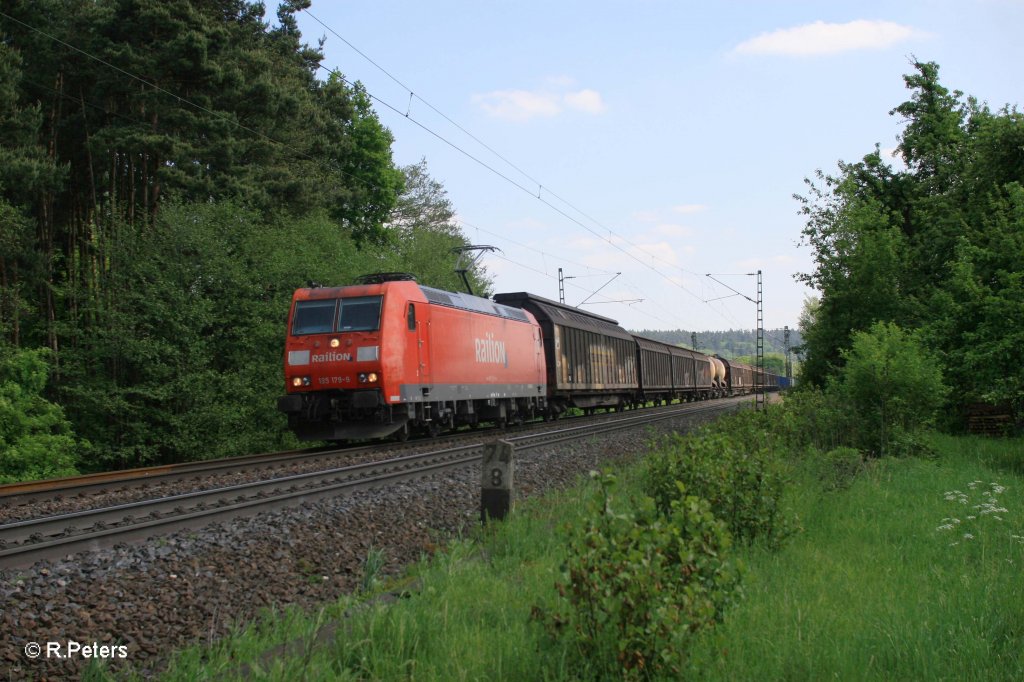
411 318
360 314
314 317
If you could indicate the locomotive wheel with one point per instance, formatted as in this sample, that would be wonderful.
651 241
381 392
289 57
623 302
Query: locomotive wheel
402 434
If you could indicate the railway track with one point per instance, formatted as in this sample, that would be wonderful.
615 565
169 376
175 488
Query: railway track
18 494
23 543
89 486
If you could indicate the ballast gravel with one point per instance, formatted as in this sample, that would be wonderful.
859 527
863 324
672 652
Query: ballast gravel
193 586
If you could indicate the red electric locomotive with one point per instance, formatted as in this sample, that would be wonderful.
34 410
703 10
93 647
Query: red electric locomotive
388 356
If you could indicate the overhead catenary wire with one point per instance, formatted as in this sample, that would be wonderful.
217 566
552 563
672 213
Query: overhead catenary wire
503 158
596 272
520 186
234 122
576 286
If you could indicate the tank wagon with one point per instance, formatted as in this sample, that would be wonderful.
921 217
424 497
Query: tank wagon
390 357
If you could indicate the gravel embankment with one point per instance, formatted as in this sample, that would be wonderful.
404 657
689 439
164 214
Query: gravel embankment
191 586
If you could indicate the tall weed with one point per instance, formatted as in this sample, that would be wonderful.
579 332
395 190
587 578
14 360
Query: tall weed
638 583
743 483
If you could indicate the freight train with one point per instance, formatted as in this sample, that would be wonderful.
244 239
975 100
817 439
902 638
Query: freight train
389 357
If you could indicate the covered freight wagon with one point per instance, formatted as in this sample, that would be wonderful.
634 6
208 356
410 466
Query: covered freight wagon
591 360
692 374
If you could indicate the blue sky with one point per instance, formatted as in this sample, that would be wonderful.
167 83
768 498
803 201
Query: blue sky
676 131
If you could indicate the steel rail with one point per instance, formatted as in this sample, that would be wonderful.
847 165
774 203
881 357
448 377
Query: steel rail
23 543
30 491
27 492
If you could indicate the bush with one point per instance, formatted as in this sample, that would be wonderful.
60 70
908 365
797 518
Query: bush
892 386
638 584
743 484
811 418
839 467
35 439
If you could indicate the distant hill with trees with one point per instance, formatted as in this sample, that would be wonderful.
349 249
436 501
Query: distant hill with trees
733 343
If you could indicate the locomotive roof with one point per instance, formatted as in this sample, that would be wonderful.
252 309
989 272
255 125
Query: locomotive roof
452 299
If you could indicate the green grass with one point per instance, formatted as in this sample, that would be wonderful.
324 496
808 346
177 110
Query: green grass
871 589
469 618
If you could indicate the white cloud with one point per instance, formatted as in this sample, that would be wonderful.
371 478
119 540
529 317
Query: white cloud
823 38
587 101
687 209
523 105
518 105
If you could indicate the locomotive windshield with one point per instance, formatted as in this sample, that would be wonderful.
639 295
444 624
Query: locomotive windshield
356 314
314 317
359 314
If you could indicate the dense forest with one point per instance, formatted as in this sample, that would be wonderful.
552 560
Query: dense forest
170 170
934 245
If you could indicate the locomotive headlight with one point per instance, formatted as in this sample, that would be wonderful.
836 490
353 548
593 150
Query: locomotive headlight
296 382
362 377
335 343
372 377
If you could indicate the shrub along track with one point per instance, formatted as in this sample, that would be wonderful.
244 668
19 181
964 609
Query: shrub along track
190 585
